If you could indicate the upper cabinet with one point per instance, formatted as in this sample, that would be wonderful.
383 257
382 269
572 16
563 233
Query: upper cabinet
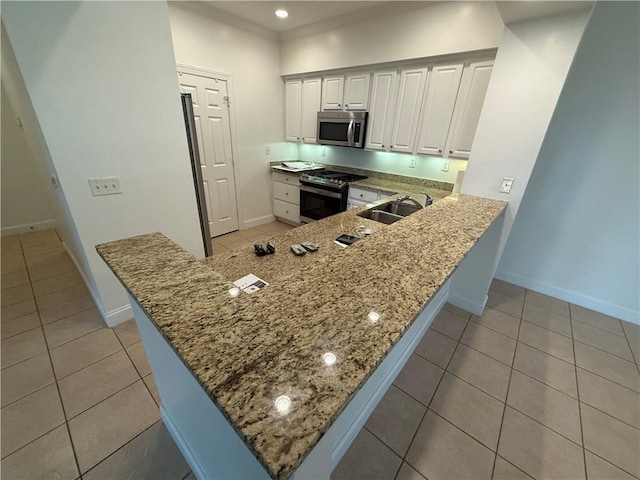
473 88
437 109
356 91
332 93
410 92
302 98
383 90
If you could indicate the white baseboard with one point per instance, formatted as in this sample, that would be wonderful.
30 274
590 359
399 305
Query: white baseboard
28 227
467 304
254 222
571 297
118 316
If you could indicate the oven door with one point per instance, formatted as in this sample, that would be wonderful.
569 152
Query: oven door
318 203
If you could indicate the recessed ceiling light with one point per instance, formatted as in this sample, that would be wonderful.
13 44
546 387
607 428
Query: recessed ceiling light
282 13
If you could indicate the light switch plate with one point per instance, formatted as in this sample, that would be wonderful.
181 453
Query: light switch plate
105 186
412 162
445 166
507 183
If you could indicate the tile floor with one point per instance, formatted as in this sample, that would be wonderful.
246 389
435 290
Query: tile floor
535 388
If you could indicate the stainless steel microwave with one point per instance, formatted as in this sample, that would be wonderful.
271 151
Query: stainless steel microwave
345 129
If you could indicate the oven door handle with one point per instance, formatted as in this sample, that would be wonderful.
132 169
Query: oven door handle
350 133
320 191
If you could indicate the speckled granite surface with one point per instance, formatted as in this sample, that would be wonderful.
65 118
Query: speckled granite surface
249 350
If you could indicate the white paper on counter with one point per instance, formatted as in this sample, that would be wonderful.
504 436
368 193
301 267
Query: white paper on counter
250 283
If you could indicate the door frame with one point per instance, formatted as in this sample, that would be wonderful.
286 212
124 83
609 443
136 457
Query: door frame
227 77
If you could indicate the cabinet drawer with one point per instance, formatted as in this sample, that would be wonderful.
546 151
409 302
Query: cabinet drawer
286 193
284 178
361 195
286 210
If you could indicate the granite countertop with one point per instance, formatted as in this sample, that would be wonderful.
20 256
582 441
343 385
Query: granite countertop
248 351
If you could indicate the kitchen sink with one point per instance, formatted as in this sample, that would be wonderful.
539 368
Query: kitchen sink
389 212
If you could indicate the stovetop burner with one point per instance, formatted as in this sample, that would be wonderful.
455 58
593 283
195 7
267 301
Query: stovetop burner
330 179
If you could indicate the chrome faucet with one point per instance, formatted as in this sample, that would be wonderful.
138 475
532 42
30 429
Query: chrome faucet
428 200
408 198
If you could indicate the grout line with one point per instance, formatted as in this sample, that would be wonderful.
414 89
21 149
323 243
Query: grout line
609 462
493 329
573 349
28 394
605 351
599 328
71 314
495 452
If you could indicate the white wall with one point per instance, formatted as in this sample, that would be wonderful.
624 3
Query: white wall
253 61
576 236
102 82
25 203
392 33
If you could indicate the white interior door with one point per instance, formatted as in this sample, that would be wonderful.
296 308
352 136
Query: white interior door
211 111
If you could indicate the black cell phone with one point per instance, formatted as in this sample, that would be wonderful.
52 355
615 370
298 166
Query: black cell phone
346 239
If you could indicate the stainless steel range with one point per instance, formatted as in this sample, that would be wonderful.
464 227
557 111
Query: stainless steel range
324 193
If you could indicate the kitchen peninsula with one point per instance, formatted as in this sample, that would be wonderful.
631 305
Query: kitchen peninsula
278 382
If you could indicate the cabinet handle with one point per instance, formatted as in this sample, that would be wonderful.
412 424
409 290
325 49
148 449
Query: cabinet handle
450 151
346 104
287 194
383 146
286 211
361 195
339 105
439 150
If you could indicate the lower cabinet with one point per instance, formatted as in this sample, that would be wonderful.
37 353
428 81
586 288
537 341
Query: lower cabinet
286 198
359 197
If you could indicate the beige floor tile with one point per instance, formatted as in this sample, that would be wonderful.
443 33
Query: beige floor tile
127 332
436 348
31 253
73 326
48 259
407 472
508 289
616 442
51 266
546 368
484 372
219 248
79 353
419 378
608 366
10 243
609 397
64 309
54 284
632 332
503 470
50 456
25 378
367 458
93 384
13 295
458 311
547 341
469 409
254 235
151 455
396 419
274 228
41 237
71 293
596 319
441 450
449 323
150 382
20 325
21 347
498 321
18 310
546 405
538 450
602 340
554 305
15 279
102 429
230 239
139 358
599 469
29 418
11 264
506 304
546 319
491 343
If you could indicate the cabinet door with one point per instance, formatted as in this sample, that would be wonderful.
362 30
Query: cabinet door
332 90
356 91
473 87
405 126
437 109
383 91
351 204
293 109
311 93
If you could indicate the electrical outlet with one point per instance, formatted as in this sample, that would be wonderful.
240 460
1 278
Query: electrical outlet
323 152
507 183
105 186
267 150
412 162
445 166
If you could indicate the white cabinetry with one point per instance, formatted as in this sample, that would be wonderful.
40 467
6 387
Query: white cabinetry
286 198
332 92
358 197
302 99
437 108
410 92
473 88
356 91
380 119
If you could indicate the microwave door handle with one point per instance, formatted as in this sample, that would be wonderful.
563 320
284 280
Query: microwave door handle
350 133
